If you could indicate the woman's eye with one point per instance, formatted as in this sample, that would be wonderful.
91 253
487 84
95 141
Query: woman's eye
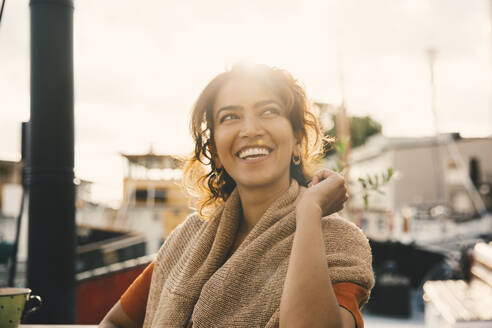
228 117
271 111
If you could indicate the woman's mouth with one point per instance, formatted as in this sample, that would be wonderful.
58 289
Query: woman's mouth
253 152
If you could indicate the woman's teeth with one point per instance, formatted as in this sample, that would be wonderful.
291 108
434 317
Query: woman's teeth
253 152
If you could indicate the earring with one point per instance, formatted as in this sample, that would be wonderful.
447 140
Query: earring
296 160
218 172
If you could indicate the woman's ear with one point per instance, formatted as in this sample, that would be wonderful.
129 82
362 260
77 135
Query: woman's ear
298 137
297 146
214 156
218 163
296 151
210 148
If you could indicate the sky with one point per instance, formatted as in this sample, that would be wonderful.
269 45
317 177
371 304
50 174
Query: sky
140 65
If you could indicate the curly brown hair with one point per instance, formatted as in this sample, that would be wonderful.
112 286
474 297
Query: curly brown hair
209 183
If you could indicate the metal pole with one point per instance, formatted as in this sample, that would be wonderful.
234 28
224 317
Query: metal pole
343 121
50 174
431 52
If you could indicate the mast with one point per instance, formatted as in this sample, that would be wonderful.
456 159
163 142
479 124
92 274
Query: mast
436 151
343 123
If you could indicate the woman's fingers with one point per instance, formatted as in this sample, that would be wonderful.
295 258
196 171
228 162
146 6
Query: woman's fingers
321 175
329 190
324 174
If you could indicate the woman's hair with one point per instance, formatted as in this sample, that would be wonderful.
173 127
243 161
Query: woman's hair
210 184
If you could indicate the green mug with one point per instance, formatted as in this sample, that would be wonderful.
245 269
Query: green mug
14 303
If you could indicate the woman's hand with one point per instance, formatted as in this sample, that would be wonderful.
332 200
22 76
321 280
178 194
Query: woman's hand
326 193
308 298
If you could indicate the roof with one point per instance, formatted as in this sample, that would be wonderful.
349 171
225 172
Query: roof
10 164
153 161
379 144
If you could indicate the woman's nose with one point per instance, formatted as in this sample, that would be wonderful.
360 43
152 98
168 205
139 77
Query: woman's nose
251 127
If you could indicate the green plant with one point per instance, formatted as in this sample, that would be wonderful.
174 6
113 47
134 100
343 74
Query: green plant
373 183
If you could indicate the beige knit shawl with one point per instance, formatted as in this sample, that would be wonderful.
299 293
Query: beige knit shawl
190 278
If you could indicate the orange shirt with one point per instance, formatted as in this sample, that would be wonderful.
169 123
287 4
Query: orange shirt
134 299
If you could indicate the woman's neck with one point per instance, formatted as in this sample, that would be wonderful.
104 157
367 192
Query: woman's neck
255 201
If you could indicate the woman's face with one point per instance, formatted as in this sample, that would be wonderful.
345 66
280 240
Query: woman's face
254 139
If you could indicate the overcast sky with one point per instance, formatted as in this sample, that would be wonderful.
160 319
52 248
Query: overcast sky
139 66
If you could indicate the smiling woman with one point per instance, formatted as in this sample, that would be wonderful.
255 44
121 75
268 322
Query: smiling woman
280 101
266 248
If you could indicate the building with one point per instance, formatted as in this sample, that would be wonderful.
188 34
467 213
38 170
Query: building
153 200
153 182
445 176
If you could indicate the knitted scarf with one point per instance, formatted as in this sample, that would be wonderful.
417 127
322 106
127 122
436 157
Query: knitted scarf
193 279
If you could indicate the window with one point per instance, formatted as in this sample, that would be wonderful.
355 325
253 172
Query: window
160 196
141 195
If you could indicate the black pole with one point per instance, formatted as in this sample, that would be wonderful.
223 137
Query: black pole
49 175
13 261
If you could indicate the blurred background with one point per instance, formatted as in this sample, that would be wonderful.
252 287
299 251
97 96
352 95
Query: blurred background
405 86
